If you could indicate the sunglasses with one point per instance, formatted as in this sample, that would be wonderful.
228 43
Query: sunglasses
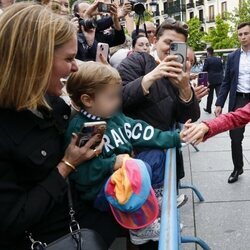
174 22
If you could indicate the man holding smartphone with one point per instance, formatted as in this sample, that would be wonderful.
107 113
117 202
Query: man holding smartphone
237 82
88 38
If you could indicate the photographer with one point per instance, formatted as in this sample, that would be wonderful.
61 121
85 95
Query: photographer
92 31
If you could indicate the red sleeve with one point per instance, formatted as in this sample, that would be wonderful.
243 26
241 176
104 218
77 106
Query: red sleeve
238 118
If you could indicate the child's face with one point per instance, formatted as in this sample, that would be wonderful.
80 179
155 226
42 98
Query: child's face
106 103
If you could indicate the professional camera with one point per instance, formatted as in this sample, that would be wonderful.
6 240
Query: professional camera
138 7
88 23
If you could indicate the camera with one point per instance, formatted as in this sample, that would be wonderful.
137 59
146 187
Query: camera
138 7
88 23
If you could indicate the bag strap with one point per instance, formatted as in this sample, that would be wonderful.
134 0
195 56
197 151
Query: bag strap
73 225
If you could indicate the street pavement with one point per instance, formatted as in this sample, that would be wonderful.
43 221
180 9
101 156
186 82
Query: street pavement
223 219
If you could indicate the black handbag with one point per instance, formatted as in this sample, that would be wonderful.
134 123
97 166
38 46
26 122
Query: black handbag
77 239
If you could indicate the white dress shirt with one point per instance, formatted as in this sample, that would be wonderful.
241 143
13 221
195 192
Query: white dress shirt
244 72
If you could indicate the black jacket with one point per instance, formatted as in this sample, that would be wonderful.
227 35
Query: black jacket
161 107
86 53
32 192
213 65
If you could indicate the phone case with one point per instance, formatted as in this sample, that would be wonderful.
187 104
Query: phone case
103 7
179 49
203 79
102 48
90 129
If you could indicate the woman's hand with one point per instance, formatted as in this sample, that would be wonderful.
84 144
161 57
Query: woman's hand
193 133
200 91
76 155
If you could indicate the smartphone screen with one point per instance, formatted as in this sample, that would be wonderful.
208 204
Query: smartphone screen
179 49
203 79
103 7
88 130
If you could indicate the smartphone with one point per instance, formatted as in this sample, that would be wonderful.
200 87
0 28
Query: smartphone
102 48
203 79
88 130
179 49
104 7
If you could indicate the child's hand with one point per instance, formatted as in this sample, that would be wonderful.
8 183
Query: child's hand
119 161
193 133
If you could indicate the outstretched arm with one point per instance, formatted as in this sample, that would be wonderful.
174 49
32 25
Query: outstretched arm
195 133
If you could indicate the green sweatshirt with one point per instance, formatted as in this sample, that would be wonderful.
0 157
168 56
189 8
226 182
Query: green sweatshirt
121 136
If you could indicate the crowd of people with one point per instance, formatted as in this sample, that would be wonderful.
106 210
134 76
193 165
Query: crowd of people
140 93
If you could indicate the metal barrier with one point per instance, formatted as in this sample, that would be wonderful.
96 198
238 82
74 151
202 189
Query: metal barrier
170 236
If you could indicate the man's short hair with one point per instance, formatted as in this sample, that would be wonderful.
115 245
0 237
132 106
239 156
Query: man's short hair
210 50
242 25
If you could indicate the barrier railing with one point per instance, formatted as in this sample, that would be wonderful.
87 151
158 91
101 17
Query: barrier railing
170 237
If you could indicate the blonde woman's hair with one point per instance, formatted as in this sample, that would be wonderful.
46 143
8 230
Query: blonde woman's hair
91 78
29 35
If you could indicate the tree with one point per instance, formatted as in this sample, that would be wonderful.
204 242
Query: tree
195 34
239 15
219 36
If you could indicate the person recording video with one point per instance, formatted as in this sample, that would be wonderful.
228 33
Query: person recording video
106 30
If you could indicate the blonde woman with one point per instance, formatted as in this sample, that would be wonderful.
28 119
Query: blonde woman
37 49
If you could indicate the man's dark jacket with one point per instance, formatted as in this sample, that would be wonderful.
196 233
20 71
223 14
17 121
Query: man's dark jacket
161 107
213 65
230 81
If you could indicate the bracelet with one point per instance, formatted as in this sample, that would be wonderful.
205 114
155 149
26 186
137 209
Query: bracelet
69 164
189 99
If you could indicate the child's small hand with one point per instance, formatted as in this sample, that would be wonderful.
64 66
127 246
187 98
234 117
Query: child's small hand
119 161
193 133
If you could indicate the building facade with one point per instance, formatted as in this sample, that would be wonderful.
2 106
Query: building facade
207 10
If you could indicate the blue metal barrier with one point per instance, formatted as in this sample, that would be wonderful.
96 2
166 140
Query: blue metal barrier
170 228
170 237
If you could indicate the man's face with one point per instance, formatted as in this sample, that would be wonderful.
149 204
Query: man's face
82 9
244 36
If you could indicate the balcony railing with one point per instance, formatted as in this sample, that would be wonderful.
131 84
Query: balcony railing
211 20
199 3
190 5
174 7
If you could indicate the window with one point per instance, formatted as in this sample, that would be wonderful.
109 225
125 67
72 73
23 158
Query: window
191 15
201 17
211 13
223 9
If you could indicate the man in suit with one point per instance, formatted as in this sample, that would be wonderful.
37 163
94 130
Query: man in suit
213 65
237 81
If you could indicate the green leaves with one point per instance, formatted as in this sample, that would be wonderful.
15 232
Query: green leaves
195 34
219 37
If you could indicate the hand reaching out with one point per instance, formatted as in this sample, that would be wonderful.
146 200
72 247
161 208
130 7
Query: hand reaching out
193 133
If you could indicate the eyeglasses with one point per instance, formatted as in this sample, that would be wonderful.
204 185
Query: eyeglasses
150 31
174 22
